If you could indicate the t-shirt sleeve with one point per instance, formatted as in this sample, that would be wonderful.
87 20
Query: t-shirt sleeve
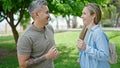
24 45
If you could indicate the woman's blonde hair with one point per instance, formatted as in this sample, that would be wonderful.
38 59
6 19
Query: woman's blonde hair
94 9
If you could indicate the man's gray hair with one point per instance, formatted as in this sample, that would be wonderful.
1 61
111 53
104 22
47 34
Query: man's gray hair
35 5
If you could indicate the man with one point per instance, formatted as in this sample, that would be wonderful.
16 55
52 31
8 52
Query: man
36 46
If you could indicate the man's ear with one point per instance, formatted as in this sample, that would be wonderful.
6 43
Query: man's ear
36 14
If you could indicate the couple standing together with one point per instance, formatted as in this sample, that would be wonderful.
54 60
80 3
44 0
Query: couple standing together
36 45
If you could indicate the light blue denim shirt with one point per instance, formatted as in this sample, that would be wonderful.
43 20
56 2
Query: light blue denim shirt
96 54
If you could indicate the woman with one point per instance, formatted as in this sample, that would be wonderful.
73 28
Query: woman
94 46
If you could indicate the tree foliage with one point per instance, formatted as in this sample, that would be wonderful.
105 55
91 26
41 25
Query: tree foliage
10 8
65 7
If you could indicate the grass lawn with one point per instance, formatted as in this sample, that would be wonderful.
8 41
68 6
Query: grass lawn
66 44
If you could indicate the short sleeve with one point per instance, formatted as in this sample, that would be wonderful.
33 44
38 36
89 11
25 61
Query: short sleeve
24 45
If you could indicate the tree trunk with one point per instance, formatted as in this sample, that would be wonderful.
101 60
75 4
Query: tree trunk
109 14
74 22
13 26
117 20
68 21
57 25
15 34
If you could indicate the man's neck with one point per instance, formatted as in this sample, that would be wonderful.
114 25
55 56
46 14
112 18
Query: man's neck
39 25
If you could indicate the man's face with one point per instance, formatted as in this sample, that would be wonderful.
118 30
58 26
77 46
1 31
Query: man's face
44 15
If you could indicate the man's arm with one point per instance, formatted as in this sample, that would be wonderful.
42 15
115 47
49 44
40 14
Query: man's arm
22 59
25 60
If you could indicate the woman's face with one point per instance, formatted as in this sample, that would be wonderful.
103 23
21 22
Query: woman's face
86 16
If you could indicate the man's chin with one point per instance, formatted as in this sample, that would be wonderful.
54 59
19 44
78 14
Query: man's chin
46 23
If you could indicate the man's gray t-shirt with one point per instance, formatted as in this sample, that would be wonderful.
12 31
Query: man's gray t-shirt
36 43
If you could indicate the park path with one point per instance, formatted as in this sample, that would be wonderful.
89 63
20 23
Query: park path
63 30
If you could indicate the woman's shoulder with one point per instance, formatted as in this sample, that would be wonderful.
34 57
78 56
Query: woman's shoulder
98 31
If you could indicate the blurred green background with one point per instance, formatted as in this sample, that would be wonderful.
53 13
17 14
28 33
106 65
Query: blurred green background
66 44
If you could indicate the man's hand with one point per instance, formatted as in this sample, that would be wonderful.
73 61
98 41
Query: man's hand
52 53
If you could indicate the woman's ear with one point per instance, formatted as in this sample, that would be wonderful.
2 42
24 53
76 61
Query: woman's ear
94 15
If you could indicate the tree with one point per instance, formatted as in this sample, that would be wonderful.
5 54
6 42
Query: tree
116 3
10 8
71 7
25 20
66 8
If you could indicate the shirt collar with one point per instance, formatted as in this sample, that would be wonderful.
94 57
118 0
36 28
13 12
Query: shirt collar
34 28
95 27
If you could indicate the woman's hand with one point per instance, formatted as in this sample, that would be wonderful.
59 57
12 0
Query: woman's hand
81 44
